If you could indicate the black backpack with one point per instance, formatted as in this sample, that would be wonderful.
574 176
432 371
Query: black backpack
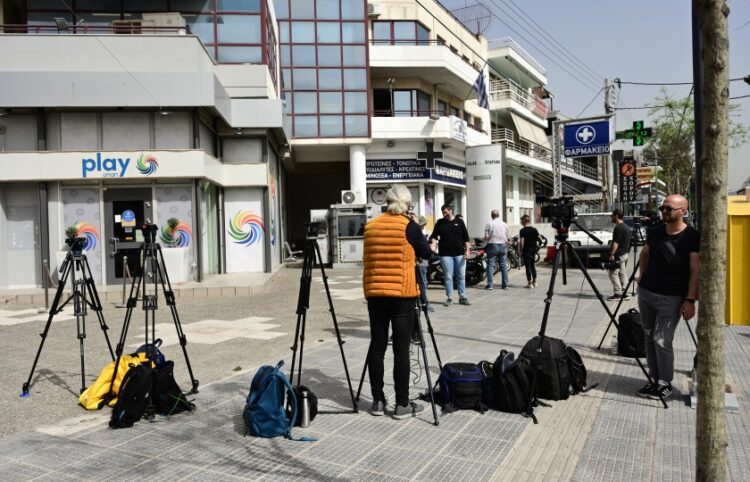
167 396
488 394
552 376
135 393
461 387
631 339
511 383
576 370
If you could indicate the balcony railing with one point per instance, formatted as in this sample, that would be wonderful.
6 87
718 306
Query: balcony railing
127 28
581 169
433 114
433 43
508 138
507 89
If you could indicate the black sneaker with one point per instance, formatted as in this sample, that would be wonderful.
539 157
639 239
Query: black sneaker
463 301
663 392
648 391
614 297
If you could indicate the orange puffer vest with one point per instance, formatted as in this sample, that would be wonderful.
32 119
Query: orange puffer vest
390 260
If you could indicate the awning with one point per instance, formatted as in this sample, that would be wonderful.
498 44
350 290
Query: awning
593 196
530 132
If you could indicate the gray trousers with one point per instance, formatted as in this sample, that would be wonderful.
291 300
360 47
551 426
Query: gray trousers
619 277
659 315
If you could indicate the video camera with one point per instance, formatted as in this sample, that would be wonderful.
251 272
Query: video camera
77 244
149 232
560 210
650 218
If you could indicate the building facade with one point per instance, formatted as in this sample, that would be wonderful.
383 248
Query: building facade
115 115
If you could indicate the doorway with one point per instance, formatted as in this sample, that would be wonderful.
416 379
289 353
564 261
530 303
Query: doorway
125 210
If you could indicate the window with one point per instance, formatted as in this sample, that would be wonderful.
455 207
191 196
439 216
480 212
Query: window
455 112
406 103
400 33
303 32
442 108
329 32
478 123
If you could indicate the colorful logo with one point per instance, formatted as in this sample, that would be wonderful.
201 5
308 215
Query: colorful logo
246 228
179 237
147 165
89 232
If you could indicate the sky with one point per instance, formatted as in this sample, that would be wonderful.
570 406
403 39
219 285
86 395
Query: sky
635 40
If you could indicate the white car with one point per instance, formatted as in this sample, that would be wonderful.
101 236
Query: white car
598 224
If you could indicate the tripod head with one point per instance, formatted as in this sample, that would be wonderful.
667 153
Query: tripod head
77 244
312 230
149 232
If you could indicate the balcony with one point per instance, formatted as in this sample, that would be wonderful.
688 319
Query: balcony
429 60
506 94
510 59
508 138
581 169
395 125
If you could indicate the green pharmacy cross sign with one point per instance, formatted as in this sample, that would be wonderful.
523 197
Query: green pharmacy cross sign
638 133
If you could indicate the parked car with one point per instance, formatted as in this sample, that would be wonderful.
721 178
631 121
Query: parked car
600 225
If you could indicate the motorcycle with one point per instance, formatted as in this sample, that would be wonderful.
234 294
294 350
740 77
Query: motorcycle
475 269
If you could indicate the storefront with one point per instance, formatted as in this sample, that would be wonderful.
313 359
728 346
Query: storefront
211 217
430 188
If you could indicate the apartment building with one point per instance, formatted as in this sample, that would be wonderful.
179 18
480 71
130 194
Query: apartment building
116 113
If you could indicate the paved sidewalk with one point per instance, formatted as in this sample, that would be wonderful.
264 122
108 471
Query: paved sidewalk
605 434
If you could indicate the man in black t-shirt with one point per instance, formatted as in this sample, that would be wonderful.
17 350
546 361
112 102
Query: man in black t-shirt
618 251
453 248
669 270
528 238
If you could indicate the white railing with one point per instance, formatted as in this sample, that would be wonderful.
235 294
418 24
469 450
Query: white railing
507 137
581 169
507 89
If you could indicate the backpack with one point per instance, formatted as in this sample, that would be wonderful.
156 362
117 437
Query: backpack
631 338
97 395
576 370
461 387
167 396
264 411
134 396
488 394
552 376
511 383
157 356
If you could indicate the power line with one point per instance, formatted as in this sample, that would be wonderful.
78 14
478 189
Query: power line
591 102
618 81
585 82
643 107
526 18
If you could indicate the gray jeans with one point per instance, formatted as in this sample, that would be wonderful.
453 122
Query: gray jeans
619 277
660 315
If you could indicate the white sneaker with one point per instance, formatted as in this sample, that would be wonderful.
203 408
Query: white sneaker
529 285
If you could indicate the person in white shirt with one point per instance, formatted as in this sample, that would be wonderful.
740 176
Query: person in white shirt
496 237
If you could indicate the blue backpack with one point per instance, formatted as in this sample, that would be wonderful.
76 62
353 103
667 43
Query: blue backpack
264 412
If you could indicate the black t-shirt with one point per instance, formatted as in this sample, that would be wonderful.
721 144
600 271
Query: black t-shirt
666 273
452 237
621 236
530 237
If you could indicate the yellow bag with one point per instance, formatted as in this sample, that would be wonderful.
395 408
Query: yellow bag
93 397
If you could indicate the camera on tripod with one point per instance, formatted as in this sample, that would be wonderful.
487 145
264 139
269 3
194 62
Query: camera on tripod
312 230
149 232
650 218
560 210
77 243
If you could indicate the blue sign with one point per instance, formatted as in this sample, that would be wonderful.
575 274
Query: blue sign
588 139
128 216
414 169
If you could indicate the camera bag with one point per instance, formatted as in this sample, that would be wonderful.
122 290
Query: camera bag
576 370
135 394
553 376
631 338
511 383
167 396
461 387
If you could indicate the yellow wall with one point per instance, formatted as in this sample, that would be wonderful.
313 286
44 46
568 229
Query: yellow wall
738 261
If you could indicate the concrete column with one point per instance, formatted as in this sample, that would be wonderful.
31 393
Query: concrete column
357 169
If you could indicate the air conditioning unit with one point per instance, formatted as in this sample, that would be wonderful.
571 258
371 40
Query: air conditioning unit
374 10
352 197
167 23
126 27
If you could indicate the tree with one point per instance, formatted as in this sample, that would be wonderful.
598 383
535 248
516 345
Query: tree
711 426
672 145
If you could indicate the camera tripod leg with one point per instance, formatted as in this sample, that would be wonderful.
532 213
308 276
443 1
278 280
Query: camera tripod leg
533 398
169 298
648 377
54 310
423 347
335 326
81 304
613 317
303 303
364 372
96 304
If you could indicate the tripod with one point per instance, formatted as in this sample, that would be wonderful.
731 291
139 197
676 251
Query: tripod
152 265
311 254
420 303
84 295
561 242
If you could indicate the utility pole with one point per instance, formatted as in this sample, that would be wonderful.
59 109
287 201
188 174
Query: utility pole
711 428
607 173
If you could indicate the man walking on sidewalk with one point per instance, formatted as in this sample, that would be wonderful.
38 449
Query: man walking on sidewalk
496 236
668 287
618 251
453 248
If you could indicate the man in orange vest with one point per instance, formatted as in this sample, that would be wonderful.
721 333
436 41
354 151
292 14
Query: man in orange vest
393 242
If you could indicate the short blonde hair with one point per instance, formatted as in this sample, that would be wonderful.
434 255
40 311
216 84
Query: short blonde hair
399 199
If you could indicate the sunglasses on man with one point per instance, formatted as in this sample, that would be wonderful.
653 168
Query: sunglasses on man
668 209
